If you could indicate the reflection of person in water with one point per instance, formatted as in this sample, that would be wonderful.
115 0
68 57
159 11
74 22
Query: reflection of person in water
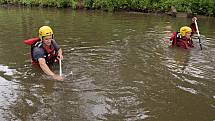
181 58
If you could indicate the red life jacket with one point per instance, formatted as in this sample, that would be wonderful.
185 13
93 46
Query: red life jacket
51 54
174 38
183 42
179 41
31 41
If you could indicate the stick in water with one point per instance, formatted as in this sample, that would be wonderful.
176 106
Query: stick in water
60 63
197 29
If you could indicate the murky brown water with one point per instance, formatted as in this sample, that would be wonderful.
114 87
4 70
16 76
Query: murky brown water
122 69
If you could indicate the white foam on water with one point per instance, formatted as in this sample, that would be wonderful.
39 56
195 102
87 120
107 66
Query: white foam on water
188 89
7 71
71 73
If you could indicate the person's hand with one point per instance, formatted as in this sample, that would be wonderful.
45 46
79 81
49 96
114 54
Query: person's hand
60 56
194 19
57 77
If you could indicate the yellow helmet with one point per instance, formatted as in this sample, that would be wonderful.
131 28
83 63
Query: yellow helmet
184 30
45 31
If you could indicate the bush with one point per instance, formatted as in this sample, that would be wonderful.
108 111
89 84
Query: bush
204 7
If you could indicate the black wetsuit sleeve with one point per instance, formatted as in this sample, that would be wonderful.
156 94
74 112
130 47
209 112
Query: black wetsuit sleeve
56 46
37 53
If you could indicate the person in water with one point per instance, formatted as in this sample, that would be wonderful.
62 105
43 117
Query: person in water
182 38
45 51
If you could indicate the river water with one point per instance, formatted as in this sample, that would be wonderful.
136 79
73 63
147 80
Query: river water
117 67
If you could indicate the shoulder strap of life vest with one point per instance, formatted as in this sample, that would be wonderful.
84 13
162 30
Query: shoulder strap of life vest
37 44
178 36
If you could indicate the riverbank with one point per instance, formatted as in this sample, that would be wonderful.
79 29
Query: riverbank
169 7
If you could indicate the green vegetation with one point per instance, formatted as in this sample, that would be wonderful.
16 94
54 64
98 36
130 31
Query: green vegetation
203 7
43 3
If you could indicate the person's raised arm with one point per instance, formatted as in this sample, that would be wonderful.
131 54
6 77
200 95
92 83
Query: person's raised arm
193 26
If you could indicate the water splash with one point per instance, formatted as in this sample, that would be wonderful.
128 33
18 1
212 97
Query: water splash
7 71
188 89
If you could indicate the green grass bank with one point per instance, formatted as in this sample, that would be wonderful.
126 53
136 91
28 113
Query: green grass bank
201 7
